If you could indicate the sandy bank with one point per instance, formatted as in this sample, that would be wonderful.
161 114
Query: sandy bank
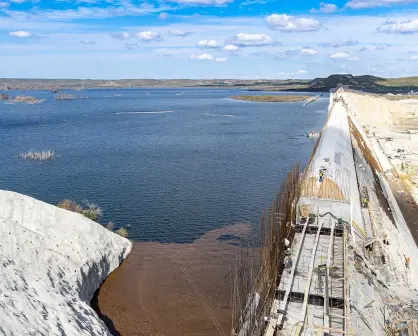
272 98
151 295
52 262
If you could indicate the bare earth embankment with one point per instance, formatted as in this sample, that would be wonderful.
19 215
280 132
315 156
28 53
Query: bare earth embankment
391 126
272 98
151 292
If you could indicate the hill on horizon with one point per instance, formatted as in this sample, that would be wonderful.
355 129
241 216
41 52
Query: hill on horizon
367 83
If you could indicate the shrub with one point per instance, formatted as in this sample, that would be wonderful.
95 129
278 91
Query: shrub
110 226
122 232
70 205
39 156
92 212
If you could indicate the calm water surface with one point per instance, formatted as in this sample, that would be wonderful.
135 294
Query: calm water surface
207 162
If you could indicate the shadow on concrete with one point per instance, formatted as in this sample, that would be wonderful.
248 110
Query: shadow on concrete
94 303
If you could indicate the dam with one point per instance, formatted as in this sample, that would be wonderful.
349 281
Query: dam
337 256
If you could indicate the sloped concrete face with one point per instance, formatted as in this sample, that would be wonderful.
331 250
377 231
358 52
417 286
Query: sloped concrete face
51 263
331 173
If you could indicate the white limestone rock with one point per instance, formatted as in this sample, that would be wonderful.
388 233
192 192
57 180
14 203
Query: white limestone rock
51 263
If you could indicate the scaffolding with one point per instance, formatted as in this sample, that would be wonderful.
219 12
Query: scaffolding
260 261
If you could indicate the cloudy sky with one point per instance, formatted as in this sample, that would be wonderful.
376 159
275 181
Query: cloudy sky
110 39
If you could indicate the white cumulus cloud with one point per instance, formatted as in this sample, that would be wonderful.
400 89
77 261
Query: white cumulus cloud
245 40
221 59
308 52
404 27
340 44
163 16
121 35
178 32
202 57
207 43
340 55
20 33
361 4
325 8
289 23
205 2
343 56
301 72
149 36
87 42
231 47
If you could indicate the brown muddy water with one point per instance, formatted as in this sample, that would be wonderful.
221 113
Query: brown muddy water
153 293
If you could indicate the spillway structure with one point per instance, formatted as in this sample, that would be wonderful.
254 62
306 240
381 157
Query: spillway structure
336 254
312 293
311 287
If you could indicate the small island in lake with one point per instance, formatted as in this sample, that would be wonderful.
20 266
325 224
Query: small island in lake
25 99
272 98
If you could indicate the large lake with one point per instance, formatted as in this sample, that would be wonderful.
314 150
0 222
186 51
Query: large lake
204 162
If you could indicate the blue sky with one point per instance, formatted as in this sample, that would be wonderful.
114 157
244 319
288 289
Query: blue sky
111 39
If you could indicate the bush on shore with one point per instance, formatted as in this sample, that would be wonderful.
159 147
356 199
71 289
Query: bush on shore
93 212
122 232
110 226
70 206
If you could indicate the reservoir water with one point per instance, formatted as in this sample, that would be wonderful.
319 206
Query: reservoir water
171 164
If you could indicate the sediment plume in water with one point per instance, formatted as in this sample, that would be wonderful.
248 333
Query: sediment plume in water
167 289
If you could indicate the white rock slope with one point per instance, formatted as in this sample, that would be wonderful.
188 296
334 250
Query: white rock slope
51 263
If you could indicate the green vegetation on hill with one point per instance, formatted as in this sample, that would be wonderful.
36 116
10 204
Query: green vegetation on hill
364 83
406 81
359 82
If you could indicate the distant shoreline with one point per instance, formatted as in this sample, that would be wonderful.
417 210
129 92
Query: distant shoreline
365 83
272 98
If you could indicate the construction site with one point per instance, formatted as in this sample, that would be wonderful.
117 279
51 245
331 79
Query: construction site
335 254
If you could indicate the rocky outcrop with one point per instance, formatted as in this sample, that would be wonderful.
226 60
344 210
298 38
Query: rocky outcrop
51 263
4 96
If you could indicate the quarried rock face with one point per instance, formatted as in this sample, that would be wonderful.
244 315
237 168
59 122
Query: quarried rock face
51 263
